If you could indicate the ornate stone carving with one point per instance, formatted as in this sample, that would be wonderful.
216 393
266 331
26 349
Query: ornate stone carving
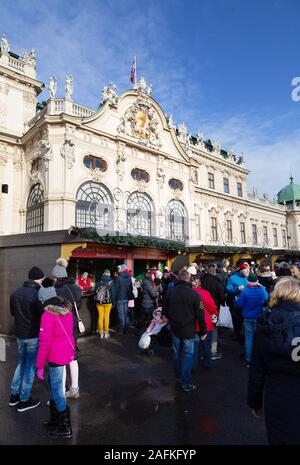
194 176
140 121
120 160
241 159
45 152
96 174
170 121
142 86
67 152
28 57
160 176
200 140
216 146
230 154
109 95
184 136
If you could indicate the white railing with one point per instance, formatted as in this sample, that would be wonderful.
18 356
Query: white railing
38 116
13 63
81 111
59 106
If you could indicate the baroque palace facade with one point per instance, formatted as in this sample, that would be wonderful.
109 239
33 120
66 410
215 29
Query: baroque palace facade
123 169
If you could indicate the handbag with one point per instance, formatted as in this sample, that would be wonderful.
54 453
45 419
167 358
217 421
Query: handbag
80 324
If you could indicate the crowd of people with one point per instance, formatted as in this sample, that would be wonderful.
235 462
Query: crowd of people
189 306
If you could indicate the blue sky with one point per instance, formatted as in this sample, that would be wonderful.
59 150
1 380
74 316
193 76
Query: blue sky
224 67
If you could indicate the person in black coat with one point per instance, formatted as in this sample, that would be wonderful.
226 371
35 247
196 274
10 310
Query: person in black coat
123 292
26 308
149 298
212 284
274 381
182 306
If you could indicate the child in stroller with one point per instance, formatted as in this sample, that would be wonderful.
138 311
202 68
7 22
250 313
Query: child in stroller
157 323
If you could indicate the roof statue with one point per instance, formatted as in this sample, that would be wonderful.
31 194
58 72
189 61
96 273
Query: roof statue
52 87
109 94
69 87
4 44
142 86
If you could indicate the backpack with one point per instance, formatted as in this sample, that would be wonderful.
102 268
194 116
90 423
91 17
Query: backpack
103 294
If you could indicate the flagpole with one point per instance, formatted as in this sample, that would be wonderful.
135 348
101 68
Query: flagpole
135 74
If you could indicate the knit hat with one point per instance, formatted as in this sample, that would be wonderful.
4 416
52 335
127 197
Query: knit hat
121 267
59 271
252 278
244 265
46 293
35 273
192 270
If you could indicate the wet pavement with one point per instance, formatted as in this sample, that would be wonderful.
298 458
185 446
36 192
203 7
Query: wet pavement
131 398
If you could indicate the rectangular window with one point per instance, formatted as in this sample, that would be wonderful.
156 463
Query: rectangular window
214 230
228 230
275 237
239 189
243 233
211 180
283 238
265 233
198 232
226 185
254 234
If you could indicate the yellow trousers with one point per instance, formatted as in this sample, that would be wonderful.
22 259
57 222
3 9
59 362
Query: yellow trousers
103 318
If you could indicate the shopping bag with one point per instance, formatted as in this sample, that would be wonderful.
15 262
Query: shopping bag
145 341
225 319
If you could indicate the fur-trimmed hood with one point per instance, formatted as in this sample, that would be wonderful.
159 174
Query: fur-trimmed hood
57 306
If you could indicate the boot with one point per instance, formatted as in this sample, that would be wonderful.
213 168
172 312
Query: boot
53 422
63 430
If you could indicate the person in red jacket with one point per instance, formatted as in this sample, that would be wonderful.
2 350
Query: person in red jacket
211 315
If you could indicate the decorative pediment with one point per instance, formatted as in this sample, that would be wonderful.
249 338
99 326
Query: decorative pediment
140 121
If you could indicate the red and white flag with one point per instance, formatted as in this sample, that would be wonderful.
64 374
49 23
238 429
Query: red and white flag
133 71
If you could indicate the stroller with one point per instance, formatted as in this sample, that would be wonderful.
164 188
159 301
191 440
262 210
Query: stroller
157 323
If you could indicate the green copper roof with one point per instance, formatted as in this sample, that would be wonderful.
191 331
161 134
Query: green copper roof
289 193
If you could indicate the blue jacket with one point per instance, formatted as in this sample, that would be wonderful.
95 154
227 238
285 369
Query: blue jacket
233 283
251 300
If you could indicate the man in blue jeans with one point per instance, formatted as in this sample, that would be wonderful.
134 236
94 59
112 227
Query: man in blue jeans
182 308
123 292
27 310
251 300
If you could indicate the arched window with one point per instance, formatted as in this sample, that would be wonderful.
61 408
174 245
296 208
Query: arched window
94 206
140 175
176 184
92 163
140 214
35 210
176 220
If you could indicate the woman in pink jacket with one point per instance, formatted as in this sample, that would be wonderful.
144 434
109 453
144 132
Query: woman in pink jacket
56 348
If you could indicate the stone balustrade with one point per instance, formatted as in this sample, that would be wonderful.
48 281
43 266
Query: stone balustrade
81 111
16 64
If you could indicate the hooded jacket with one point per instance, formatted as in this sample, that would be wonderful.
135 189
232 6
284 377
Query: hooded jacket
149 296
27 310
275 372
251 300
56 341
123 286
